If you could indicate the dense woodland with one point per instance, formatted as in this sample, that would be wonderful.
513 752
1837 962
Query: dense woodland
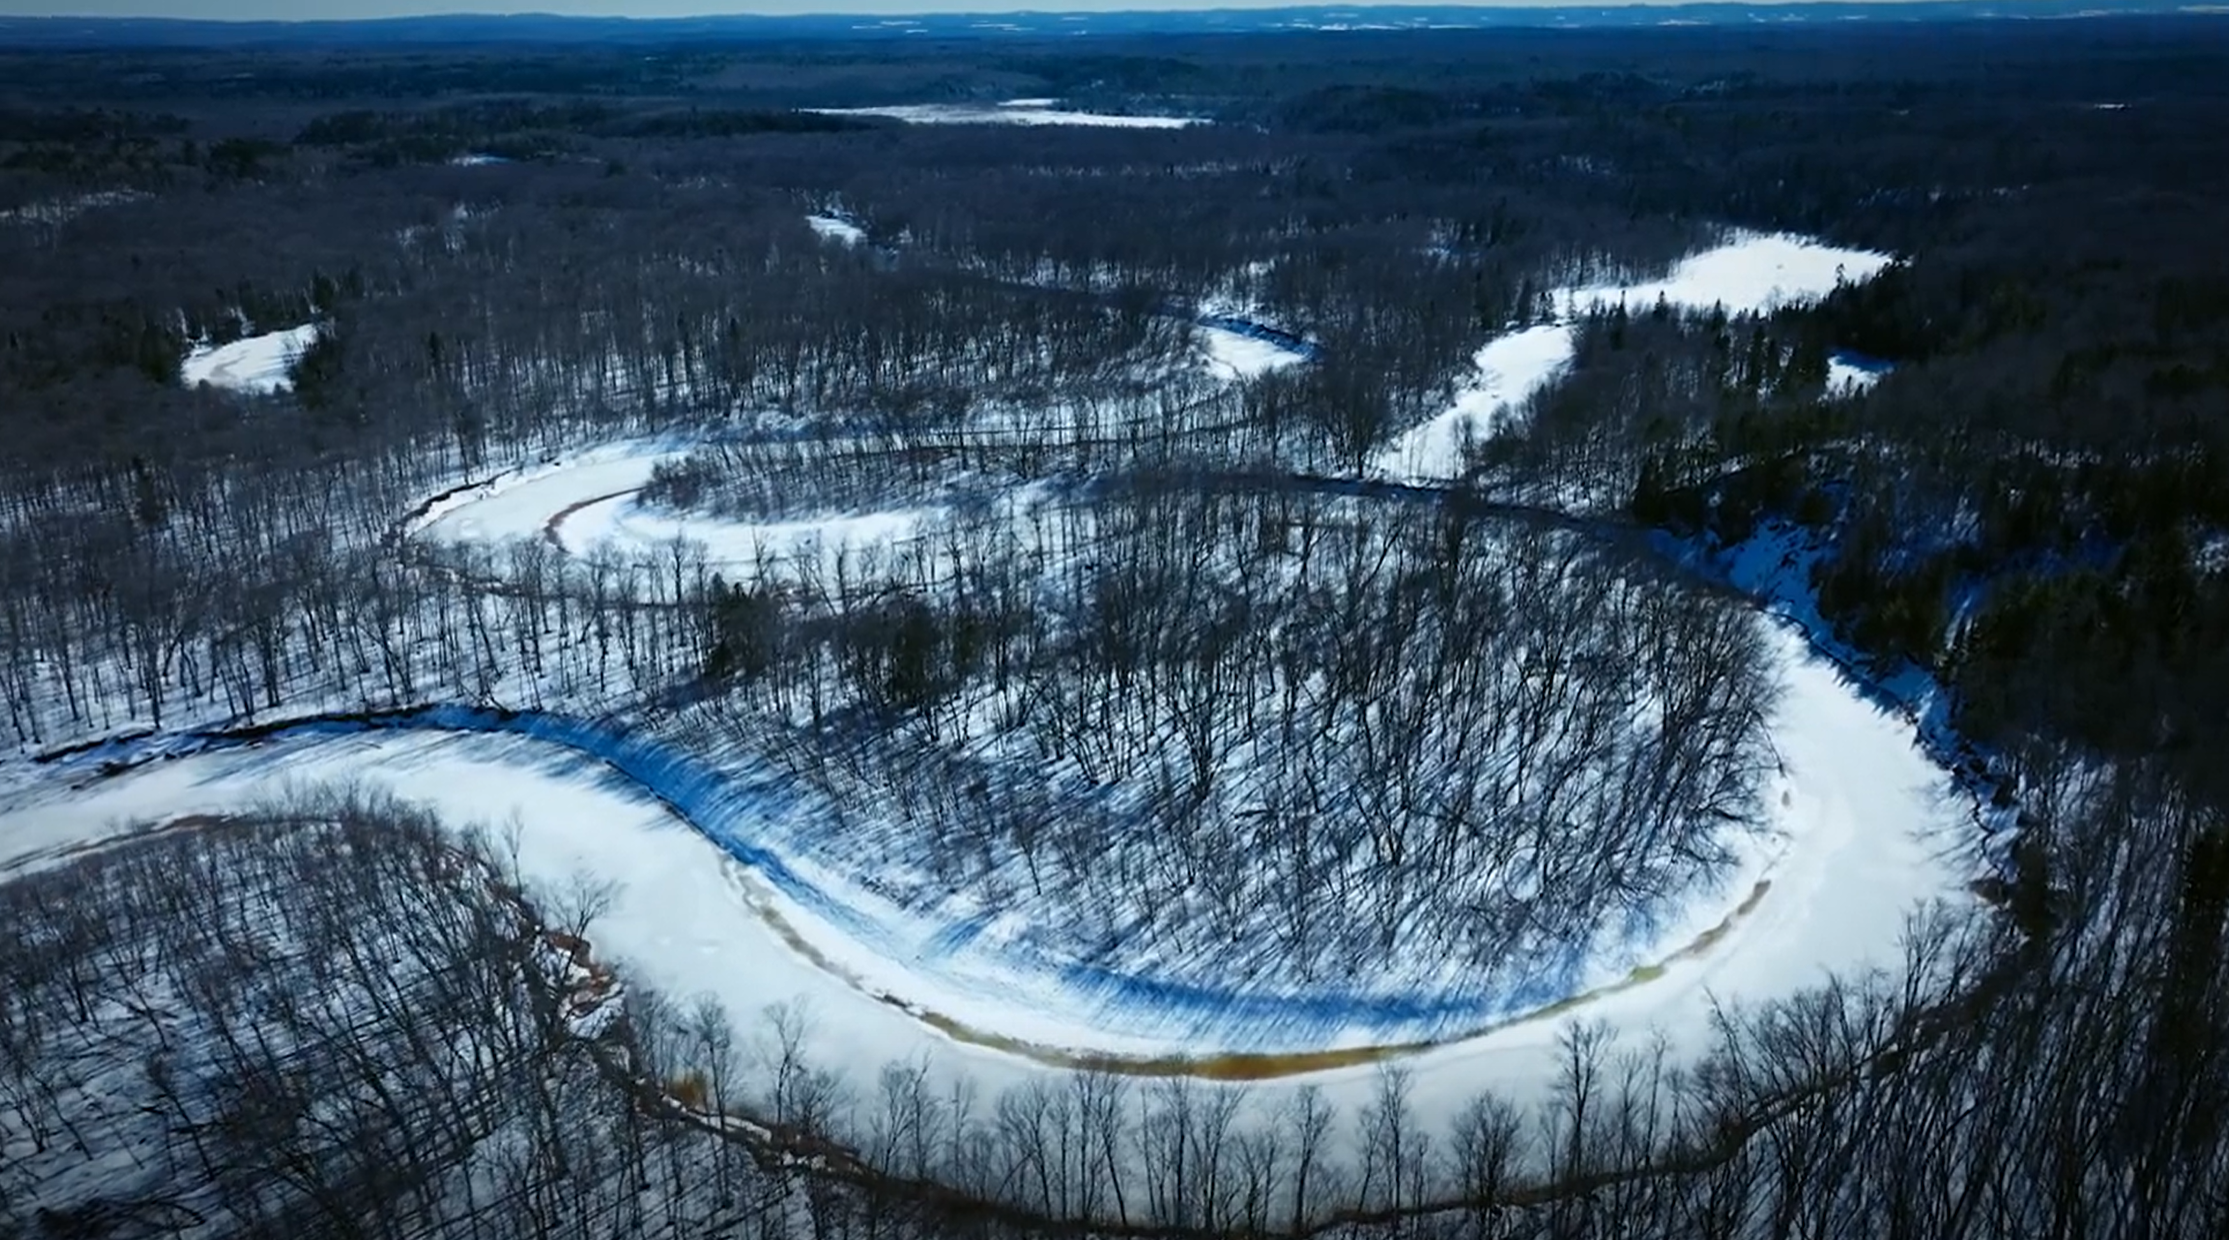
514 252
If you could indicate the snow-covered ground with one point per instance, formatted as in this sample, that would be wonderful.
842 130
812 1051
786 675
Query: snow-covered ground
1507 371
1238 355
250 364
521 503
1866 829
1749 274
836 228
1863 827
590 501
1012 112
778 547
1850 374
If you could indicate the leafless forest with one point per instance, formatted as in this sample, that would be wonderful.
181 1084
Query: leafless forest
1156 650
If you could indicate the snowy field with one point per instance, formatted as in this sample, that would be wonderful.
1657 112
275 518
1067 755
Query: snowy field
251 364
769 550
1011 112
1750 274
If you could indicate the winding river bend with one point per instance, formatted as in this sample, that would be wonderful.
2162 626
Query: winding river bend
1865 827
721 810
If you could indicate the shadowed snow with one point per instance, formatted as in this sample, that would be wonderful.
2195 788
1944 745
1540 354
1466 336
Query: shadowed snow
1865 828
1850 375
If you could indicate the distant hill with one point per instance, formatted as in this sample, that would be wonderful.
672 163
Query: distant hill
548 29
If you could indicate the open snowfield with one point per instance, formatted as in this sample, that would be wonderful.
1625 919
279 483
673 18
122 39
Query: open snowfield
1011 112
251 364
772 549
1750 274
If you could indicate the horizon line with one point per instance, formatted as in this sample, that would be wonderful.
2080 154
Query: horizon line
2000 9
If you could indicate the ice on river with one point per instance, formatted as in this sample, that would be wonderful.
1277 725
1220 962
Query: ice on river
1751 273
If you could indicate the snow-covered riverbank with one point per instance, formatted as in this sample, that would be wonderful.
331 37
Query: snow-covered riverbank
1751 273
262 363
730 884
1867 830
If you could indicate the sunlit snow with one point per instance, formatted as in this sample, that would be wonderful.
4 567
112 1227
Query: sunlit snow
780 546
1864 828
1506 371
253 364
1751 274
591 501
1236 355
1010 114
836 228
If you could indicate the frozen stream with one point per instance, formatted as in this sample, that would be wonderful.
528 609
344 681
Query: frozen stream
1864 828
1867 827
1750 273
1856 798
